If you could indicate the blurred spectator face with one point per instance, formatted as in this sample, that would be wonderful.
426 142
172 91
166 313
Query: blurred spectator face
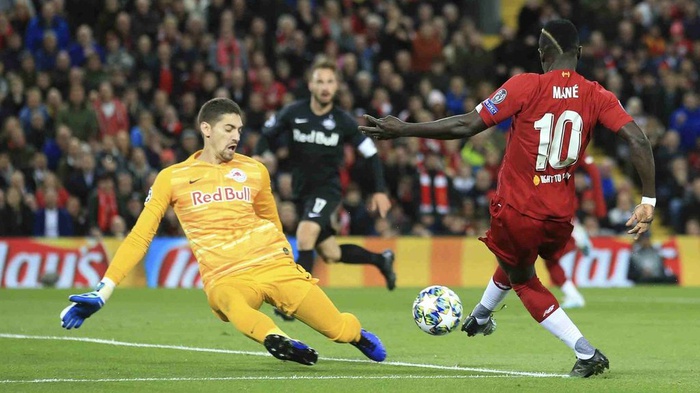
624 201
125 183
143 6
284 185
40 162
117 227
50 198
87 162
4 162
73 206
403 61
43 81
123 24
50 42
256 102
690 101
138 157
53 98
386 69
209 81
483 180
189 103
433 161
671 140
94 63
64 141
18 139
164 52
457 85
28 64
222 92
17 180
122 141
13 197
33 98
692 227
106 93
396 83
77 95
144 45
364 81
288 215
48 11
84 35
62 60
323 85
190 143
679 167
160 101
50 180
37 121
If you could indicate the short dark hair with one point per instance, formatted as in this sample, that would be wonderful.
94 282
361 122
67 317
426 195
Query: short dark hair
560 36
213 109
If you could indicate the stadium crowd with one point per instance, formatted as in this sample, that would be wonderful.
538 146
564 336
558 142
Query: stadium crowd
96 96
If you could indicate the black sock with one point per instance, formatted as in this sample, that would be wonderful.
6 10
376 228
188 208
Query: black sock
306 260
350 253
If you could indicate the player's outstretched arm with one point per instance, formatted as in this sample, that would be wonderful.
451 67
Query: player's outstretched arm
454 127
643 161
128 255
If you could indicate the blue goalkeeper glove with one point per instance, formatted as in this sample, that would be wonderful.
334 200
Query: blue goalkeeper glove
86 304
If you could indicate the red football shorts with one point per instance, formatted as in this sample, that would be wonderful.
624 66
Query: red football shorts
518 239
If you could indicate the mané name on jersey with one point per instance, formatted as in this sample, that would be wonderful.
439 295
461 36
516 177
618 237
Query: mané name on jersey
553 116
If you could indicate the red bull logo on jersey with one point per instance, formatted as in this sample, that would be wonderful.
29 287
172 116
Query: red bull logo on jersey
222 194
237 175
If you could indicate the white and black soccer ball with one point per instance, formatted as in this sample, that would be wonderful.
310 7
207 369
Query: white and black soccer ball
437 310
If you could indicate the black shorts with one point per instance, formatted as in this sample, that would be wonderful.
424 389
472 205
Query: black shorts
320 207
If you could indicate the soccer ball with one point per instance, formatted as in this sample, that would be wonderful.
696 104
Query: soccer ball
437 310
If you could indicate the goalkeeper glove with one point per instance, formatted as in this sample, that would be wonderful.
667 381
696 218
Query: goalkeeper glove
86 304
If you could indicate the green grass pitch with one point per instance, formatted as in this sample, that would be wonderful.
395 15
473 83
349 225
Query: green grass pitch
650 334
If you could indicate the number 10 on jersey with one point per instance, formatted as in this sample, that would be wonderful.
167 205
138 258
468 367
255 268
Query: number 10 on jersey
550 147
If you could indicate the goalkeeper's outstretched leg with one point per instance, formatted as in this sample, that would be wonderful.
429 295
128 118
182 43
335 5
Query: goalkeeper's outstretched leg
319 312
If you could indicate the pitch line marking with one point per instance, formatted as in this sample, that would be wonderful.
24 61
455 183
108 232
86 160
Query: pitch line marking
251 353
252 378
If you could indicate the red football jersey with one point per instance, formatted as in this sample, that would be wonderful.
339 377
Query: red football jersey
553 116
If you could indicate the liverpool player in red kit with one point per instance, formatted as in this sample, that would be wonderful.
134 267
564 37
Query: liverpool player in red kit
532 210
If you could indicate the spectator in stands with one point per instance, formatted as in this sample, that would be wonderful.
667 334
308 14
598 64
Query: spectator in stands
48 20
102 204
111 113
79 116
647 263
84 46
633 49
16 216
686 120
52 220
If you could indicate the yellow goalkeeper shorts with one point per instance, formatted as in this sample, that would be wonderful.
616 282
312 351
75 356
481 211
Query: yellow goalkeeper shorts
281 283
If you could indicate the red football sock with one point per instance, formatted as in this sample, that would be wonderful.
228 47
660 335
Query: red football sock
536 298
500 278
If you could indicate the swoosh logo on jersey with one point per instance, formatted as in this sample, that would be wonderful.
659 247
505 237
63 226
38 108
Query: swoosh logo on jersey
195 180
300 121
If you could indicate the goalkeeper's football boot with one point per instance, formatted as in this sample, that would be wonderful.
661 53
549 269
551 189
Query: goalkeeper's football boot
593 366
371 346
281 314
387 269
284 348
472 327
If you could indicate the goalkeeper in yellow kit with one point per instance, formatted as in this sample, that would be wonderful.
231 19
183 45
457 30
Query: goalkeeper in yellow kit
224 203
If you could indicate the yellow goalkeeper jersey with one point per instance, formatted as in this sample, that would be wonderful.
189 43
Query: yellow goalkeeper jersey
227 212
